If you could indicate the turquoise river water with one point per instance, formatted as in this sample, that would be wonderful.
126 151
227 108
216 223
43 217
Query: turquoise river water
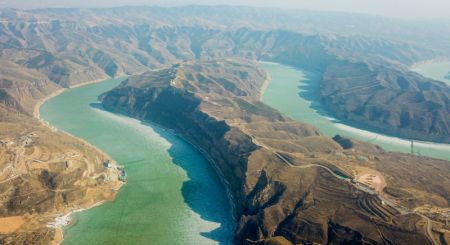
173 195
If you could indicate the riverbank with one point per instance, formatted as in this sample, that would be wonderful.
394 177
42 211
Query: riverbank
266 81
265 85
428 62
435 69
37 115
40 102
64 219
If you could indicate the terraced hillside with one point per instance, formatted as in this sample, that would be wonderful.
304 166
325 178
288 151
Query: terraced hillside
286 179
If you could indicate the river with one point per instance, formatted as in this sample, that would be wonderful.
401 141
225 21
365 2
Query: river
437 70
295 93
173 195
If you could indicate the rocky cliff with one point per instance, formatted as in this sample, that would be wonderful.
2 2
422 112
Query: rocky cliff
289 183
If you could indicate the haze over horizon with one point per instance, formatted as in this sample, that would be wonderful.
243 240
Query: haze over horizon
410 9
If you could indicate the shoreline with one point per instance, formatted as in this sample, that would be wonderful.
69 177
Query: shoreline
40 102
265 85
439 59
65 220
37 115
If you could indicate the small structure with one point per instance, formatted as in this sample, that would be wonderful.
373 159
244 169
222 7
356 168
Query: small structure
122 173
107 164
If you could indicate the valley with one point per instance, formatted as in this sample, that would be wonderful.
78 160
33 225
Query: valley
314 148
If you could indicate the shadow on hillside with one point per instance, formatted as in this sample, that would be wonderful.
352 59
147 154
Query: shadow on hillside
310 91
202 192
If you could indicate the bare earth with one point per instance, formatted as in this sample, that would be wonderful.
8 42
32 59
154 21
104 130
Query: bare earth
10 224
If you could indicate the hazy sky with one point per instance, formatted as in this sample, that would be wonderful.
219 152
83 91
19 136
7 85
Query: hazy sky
399 8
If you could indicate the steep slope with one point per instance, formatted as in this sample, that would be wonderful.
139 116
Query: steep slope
22 88
285 178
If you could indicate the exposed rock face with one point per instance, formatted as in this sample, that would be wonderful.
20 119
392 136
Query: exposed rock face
270 162
343 142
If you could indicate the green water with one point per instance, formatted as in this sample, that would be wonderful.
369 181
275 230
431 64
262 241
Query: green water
436 70
295 93
173 196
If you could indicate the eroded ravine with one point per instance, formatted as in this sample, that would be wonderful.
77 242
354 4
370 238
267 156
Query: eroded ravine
173 196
